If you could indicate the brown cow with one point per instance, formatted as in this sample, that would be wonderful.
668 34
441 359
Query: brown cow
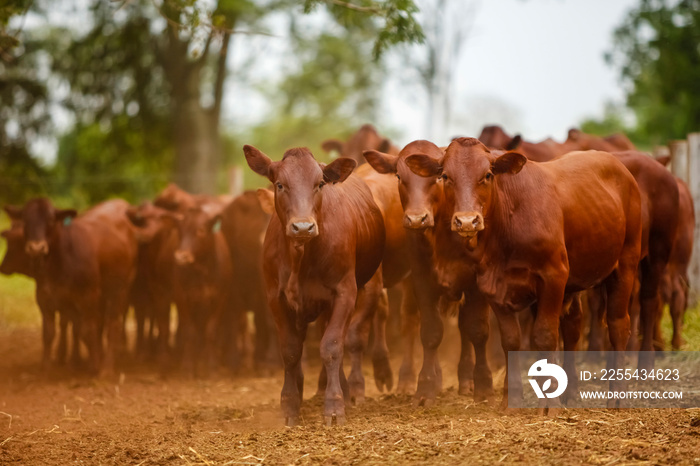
675 283
152 293
201 286
420 199
537 233
244 221
324 243
17 260
365 138
86 265
659 203
495 137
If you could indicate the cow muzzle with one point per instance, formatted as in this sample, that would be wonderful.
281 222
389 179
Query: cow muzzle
183 257
418 221
37 248
302 228
467 224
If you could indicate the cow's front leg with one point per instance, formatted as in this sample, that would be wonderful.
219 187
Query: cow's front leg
475 311
291 340
332 347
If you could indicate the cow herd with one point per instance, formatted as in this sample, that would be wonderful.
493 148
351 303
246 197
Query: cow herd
490 225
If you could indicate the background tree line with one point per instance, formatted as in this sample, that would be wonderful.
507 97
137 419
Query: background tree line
139 87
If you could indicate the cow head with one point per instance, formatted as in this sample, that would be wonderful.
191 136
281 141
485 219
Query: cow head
151 221
495 137
365 138
197 228
420 196
298 181
468 171
42 221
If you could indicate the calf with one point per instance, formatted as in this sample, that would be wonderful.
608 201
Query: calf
84 264
324 243
420 200
537 233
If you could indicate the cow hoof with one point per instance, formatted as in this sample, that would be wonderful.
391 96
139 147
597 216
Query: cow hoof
466 388
357 399
423 401
291 421
383 376
338 420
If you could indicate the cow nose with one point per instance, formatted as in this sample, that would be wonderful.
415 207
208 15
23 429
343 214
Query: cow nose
305 228
37 248
467 222
183 257
418 221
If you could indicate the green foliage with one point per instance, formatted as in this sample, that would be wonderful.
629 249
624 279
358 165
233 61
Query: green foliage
657 49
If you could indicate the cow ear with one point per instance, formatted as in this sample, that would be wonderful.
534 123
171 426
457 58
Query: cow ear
664 160
510 162
14 212
383 163
258 162
267 200
338 170
514 143
64 215
424 165
330 145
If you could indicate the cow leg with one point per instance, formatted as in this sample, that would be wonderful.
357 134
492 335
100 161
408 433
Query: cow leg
649 302
677 307
634 311
465 368
431 331
545 330
161 314
570 324
509 326
332 347
76 324
321 324
62 350
619 286
48 327
475 311
596 307
115 306
383 376
140 314
410 326
358 334
89 312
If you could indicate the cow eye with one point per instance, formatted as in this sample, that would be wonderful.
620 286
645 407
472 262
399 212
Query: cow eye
488 176
279 186
443 177
398 177
321 184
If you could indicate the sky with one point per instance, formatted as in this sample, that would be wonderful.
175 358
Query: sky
536 66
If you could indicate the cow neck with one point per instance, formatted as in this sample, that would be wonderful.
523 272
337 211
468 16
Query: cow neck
499 220
292 288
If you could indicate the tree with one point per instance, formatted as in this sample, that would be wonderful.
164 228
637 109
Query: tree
657 49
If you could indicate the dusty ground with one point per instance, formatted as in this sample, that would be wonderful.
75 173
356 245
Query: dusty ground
143 419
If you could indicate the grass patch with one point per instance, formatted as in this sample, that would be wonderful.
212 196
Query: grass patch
691 329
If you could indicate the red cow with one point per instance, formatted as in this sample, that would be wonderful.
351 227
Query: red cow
365 138
496 138
420 199
85 265
324 243
17 260
537 233
244 221
152 293
675 283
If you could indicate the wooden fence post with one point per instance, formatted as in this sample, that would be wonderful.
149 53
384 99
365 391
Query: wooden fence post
693 180
235 181
679 159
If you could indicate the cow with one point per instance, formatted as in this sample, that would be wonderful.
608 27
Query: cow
365 138
675 283
17 260
495 137
84 264
243 224
660 216
324 244
537 233
420 200
152 293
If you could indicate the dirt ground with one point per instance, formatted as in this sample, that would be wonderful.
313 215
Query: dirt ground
145 420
